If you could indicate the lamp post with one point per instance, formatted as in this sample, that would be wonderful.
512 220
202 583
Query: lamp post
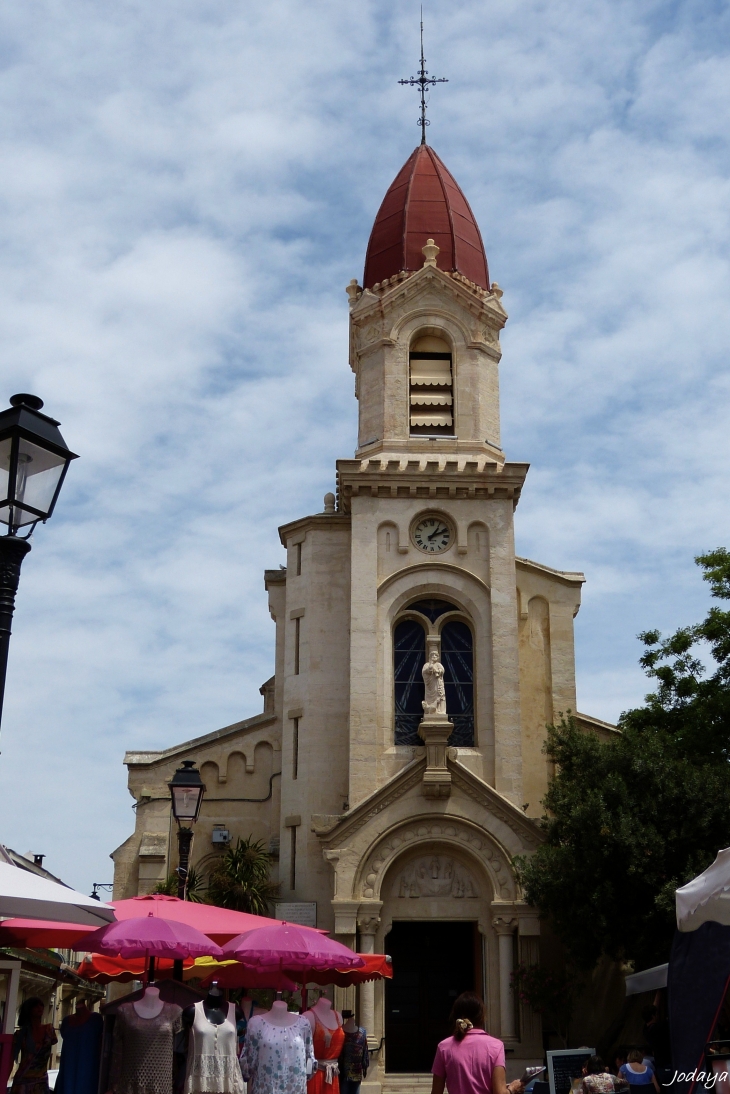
186 791
34 459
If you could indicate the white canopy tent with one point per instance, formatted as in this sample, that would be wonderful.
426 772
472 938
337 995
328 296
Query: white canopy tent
25 894
647 980
707 897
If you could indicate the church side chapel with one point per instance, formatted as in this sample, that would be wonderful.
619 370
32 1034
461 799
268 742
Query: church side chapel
397 767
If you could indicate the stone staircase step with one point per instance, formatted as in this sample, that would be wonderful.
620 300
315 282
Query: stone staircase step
403 1083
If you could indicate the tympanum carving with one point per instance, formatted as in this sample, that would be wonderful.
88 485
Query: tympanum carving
436 876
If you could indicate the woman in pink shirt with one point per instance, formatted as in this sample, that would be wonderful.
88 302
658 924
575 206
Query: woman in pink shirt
470 1061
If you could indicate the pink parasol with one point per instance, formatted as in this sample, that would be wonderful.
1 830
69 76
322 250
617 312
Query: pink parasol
220 924
148 936
291 949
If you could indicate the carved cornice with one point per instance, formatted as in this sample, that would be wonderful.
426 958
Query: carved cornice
316 522
566 577
339 834
429 478
396 290
141 759
475 788
354 821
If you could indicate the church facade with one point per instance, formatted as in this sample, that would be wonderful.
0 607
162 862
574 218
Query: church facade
400 823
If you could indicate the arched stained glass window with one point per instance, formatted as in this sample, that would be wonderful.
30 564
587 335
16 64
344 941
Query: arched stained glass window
457 657
409 655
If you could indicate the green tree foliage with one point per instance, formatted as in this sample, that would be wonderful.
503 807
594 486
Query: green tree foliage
547 993
242 879
195 890
631 819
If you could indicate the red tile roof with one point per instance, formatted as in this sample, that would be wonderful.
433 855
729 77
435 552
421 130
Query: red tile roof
424 201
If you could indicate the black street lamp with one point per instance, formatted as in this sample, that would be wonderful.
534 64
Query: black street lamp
34 459
186 790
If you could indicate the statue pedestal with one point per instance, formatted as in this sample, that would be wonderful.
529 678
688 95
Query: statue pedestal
435 731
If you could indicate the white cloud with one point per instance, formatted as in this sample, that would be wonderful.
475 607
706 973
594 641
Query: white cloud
186 190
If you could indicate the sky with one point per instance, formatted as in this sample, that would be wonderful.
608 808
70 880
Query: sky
187 187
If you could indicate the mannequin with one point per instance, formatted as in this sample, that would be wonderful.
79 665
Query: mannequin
328 1038
212 1066
214 1006
354 1059
278 1053
150 1005
142 1047
323 1012
81 1051
280 1015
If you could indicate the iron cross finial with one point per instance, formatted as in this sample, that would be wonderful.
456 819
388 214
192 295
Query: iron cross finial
423 81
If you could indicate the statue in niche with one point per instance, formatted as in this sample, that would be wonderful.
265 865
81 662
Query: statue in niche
433 678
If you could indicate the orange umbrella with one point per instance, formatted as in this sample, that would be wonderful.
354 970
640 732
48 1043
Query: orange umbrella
121 970
377 966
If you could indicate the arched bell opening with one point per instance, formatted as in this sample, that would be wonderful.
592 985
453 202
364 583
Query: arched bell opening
431 387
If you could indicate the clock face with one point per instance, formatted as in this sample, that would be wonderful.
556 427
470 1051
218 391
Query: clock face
432 534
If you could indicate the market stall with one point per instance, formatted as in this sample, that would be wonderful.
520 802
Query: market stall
699 970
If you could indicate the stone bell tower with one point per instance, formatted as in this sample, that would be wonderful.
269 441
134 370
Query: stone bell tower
426 289
429 493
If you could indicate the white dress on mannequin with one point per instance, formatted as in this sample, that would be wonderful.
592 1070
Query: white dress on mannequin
213 1055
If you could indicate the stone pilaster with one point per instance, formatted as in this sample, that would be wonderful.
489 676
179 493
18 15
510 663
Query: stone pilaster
505 928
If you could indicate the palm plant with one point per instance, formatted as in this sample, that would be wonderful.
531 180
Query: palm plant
241 881
194 891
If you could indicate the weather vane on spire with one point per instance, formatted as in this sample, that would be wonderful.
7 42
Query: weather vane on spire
423 81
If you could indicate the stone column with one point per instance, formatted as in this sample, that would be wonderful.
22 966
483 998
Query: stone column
505 932
367 926
346 933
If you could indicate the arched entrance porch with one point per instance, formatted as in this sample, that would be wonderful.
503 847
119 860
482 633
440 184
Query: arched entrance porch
435 922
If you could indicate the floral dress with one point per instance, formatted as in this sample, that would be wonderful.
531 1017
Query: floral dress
32 1074
355 1058
274 1058
601 1083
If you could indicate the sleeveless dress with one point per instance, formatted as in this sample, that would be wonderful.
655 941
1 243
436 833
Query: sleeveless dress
142 1050
213 1055
80 1054
327 1048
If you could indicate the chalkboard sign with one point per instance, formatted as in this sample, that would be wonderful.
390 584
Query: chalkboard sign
566 1065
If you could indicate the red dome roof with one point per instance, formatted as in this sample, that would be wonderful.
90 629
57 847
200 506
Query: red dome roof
424 201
